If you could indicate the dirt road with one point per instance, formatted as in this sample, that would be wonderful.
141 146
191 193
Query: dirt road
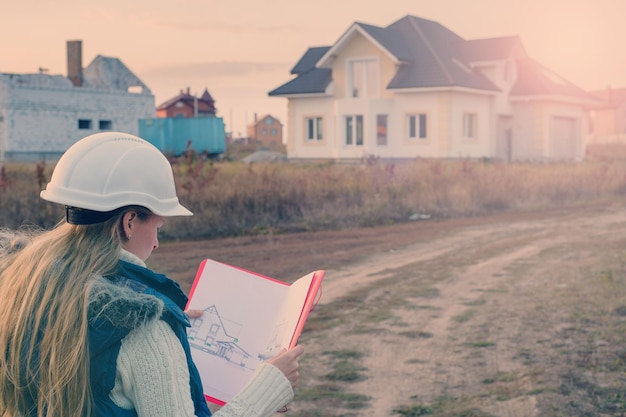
467 317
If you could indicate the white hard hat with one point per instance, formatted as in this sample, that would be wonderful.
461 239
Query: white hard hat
107 171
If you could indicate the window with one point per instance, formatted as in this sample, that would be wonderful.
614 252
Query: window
268 121
84 124
469 125
273 131
363 80
381 129
417 126
264 132
314 128
105 125
354 130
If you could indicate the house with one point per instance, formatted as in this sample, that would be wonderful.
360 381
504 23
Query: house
209 334
267 131
41 115
416 89
187 105
186 122
608 118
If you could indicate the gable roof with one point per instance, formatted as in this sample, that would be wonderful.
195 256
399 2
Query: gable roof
260 120
428 55
108 72
205 103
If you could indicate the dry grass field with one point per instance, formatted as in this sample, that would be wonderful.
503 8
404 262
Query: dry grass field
509 301
510 315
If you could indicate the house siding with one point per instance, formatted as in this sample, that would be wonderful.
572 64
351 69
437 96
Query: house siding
533 131
298 145
291 126
445 124
479 145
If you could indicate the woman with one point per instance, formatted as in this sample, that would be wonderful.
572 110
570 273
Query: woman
86 328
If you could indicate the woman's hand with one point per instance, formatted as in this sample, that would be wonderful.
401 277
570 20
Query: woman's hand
194 314
287 362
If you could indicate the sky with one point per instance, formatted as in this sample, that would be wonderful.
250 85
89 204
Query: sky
241 49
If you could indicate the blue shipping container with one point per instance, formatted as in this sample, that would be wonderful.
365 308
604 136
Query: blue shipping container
174 135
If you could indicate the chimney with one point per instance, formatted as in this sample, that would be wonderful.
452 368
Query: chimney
75 62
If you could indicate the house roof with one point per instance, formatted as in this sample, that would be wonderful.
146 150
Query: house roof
428 55
262 120
490 49
313 81
205 102
108 72
533 79
435 58
309 59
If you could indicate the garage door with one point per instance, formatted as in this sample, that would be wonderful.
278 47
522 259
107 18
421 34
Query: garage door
564 138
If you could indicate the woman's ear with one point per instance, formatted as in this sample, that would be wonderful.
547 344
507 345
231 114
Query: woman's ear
128 220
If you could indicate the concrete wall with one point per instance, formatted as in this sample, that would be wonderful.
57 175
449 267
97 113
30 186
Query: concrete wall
42 118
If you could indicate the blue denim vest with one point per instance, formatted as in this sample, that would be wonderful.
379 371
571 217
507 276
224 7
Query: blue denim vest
105 339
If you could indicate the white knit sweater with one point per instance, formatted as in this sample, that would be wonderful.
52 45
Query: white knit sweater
152 377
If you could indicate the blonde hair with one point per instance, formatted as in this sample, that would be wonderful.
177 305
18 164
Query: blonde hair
45 282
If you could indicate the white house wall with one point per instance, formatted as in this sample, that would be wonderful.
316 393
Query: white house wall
298 146
532 129
444 112
503 73
578 116
481 144
437 128
38 122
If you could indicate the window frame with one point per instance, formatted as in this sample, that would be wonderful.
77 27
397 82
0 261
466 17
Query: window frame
85 124
354 129
105 125
470 126
313 128
417 126
382 132
370 81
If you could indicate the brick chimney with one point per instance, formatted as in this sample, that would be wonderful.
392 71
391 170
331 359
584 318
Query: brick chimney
75 62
